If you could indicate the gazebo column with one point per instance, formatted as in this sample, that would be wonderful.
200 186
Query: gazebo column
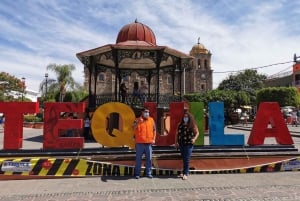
180 78
91 70
173 79
119 84
158 60
116 60
149 75
95 83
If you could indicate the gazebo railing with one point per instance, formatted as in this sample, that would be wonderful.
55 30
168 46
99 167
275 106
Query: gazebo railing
164 99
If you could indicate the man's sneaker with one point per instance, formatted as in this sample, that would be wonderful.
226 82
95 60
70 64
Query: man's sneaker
150 176
137 177
184 177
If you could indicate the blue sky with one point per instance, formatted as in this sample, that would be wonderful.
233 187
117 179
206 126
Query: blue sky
240 34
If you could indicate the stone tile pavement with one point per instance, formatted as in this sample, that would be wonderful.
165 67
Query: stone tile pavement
226 187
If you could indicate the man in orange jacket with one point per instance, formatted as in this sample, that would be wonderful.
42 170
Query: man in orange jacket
145 134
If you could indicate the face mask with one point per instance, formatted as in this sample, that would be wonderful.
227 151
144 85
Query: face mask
185 119
146 115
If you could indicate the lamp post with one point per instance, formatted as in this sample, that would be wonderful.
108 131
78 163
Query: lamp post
46 83
23 86
183 81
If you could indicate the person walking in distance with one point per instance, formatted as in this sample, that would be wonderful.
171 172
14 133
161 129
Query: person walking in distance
145 134
135 92
123 92
143 92
185 137
87 127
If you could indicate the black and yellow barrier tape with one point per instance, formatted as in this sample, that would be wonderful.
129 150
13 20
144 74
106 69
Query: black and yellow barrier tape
70 167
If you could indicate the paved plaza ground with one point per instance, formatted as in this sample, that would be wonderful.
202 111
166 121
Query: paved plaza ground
214 187
226 187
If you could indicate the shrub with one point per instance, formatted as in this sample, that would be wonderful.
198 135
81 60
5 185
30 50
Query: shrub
32 118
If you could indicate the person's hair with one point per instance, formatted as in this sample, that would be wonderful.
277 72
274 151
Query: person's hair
191 123
145 109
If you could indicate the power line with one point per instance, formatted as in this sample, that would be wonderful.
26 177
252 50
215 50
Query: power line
235 71
286 70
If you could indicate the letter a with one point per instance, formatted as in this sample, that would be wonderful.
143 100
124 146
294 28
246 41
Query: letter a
269 113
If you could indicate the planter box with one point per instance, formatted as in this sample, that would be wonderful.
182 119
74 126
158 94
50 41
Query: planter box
38 125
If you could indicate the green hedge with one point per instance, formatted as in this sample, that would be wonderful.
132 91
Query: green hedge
32 118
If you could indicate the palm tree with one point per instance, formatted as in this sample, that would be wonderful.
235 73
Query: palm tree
62 84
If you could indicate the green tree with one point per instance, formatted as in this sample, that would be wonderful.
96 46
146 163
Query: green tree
232 99
64 87
11 88
285 96
248 81
79 94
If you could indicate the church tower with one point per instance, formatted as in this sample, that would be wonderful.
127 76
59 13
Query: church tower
199 76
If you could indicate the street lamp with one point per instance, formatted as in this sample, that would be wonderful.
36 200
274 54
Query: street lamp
23 86
46 82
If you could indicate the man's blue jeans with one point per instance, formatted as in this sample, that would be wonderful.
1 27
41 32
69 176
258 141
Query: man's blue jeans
186 152
143 148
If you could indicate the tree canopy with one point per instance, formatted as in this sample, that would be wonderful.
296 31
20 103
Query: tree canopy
11 87
285 96
64 87
248 81
232 99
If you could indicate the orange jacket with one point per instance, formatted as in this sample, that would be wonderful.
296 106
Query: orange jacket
145 131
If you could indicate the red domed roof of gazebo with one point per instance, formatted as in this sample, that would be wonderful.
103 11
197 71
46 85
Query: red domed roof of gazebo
136 33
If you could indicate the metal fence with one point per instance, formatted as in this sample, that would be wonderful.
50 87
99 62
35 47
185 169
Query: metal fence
131 99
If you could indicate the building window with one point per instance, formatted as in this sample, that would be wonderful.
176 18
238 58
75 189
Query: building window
101 77
199 63
202 87
205 64
169 79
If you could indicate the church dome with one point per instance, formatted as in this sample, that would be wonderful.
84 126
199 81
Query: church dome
198 49
136 31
